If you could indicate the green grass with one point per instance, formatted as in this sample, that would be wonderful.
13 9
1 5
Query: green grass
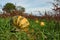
51 30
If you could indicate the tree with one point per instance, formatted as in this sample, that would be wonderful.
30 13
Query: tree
20 8
23 9
9 7
58 2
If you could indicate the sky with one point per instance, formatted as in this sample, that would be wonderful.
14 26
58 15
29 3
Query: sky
30 5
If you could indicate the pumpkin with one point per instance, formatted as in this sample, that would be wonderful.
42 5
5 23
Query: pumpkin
20 21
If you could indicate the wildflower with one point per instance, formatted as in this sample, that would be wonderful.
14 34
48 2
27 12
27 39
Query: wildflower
36 21
42 23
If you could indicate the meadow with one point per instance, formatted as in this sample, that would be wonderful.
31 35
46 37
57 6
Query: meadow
50 31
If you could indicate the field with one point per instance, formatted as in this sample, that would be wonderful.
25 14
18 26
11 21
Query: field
50 31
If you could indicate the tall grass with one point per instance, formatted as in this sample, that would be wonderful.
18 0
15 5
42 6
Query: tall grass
50 31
